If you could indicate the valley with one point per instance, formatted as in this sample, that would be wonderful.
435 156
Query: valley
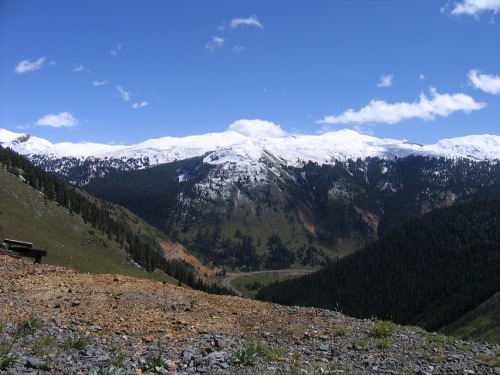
243 208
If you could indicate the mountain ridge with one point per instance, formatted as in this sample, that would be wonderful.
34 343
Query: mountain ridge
243 189
292 150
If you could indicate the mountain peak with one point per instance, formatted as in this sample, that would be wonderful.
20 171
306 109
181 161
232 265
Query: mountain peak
292 149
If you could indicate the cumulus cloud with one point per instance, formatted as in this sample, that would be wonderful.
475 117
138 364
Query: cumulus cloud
485 82
100 83
125 95
476 7
379 111
251 21
138 105
80 68
257 129
215 43
385 81
61 120
26 66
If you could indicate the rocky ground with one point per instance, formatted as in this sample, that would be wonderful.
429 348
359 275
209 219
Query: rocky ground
54 320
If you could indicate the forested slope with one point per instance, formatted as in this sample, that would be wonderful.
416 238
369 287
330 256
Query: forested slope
318 211
428 272
110 225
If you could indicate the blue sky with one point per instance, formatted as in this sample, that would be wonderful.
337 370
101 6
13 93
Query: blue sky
120 72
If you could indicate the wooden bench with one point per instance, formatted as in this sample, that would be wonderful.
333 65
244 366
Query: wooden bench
25 249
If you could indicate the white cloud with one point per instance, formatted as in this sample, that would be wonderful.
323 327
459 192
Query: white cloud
117 50
140 104
475 7
61 120
421 77
26 66
125 95
257 129
215 43
485 82
385 81
100 83
252 21
238 49
80 68
378 111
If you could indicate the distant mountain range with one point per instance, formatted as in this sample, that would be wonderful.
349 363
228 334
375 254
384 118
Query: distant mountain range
250 203
233 147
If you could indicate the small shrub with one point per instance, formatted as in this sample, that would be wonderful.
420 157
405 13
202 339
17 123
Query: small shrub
295 367
4 347
157 361
438 338
320 370
28 327
275 354
341 331
245 358
494 363
116 357
8 360
111 370
248 355
383 344
43 345
362 344
383 329
77 343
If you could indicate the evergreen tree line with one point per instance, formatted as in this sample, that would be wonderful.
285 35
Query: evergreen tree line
340 196
240 252
142 248
153 193
393 190
428 272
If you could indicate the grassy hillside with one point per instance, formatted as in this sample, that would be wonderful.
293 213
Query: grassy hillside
480 324
428 272
26 215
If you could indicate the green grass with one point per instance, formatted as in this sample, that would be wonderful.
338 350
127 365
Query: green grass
480 324
156 361
111 370
77 343
270 219
26 216
241 283
44 345
382 329
383 343
341 331
7 361
28 327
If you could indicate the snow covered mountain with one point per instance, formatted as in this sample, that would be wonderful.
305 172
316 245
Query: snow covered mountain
231 146
322 188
